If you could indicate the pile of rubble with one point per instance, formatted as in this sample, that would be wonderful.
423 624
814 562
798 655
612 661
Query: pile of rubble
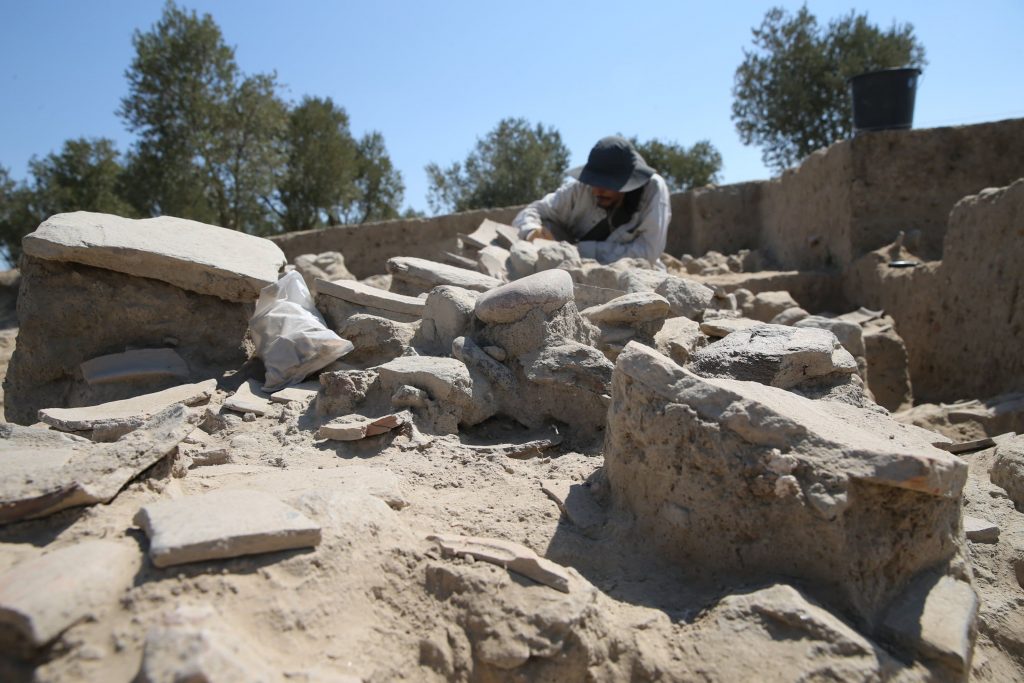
528 466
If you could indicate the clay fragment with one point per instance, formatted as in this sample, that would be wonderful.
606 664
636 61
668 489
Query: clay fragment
509 555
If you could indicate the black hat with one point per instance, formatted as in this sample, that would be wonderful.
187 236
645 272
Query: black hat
613 164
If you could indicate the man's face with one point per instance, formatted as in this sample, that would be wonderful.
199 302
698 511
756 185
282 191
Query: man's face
607 199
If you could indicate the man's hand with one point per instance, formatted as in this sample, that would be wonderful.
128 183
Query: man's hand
540 233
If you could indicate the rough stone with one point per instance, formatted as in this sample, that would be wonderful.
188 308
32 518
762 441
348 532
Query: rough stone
133 365
192 644
42 597
222 524
328 266
630 308
849 334
493 262
552 255
936 618
228 264
685 297
980 530
126 414
569 363
720 437
364 295
514 556
723 327
767 305
298 393
412 275
776 355
448 313
547 290
45 472
522 259
376 339
248 399
1008 469
790 316
679 338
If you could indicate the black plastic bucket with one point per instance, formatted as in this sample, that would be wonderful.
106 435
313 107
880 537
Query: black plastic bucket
883 100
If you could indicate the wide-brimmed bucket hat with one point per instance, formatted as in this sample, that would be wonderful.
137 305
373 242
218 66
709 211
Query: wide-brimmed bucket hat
613 164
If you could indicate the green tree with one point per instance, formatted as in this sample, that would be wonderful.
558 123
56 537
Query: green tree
379 186
790 95
513 164
86 175
681 167
318 186
209 139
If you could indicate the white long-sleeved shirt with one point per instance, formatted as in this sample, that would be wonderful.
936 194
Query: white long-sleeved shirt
572 210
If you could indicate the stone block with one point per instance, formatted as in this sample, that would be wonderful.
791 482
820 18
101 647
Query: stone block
135 364
685 297
679 338
364 295
42 597
548 290
635 307
1008 469
415 275
222 524
194 256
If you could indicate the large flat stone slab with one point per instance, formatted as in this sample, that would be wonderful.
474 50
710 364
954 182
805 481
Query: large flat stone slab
248 399
137 364
195 256
42 472
223 524
126 414
424 275
42 597
364 295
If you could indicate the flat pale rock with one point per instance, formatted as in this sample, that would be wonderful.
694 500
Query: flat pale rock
129 412
723 327
860 444
776 355
548 290
980 530
936 617
849 334
635 307
248 399
514 556
137 364
347 428
429 274
223 524
493 261
446 379
685 297
42 475
300 392
228 264
365 295
42 597
767 305
679 337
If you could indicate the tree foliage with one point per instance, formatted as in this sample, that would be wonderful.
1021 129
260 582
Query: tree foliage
86 175
681 167
790 95
513 164
379 187
209 138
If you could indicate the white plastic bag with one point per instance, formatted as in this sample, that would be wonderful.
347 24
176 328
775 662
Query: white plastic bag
290 334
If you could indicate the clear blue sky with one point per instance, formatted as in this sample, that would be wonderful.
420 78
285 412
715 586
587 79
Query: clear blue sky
435 76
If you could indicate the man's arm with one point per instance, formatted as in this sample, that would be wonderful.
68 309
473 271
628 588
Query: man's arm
650 234
553 208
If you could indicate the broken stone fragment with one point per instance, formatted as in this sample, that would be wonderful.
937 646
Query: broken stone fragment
120 417
222 524
849 334
723 327
356 427
551 255
135 365
1008 469
719 437
376 339
491 232
493 261
448 314
548 290
685 297
980 530
300 392
790 316
42 597
936 618
45 474
569 363
192 644
630 308
522 259
767 305
776 355
329 266
415 275
248 399
228 264
371 297
679 338
513 556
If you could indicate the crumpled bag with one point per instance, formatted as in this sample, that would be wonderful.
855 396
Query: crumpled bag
290 334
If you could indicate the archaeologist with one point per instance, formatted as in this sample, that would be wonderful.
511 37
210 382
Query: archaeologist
616 206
